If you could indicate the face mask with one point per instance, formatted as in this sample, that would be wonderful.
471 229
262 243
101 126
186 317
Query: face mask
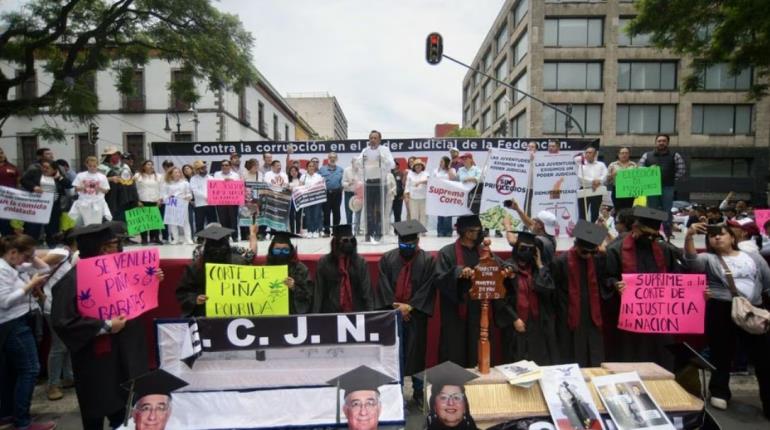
216 254
407 250
525 253
348 248
202 173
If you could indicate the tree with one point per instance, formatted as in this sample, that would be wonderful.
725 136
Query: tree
711 31
463 132
76 38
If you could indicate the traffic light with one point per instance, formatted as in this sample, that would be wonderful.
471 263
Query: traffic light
434 47
93 133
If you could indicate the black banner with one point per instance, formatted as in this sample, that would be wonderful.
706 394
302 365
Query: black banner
229 334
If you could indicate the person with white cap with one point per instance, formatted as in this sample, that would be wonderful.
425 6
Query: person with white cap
416 191
544 226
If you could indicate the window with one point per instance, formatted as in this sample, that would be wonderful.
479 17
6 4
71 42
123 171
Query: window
85 149
589 116
135 145
286 132
182 136
477 77
647 76
28 88
720 167
572 76
521 83
568 32
521 48
501 106
487 60
27 146
718 77
625 40
276 136
489 88
475 105
476 126
466 94
243 110
261 118
486 119
519 125
176 103
502 37
134 102
520 10
721 119
646 119
466 116
502 70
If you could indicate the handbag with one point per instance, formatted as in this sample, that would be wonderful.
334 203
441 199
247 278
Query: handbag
750 318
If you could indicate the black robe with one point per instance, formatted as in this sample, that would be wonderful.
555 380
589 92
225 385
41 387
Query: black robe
326 297
641 347
584 345
301 297
97 377
193 284
538 342
423 294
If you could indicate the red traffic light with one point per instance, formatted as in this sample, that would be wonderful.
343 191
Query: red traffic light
434 47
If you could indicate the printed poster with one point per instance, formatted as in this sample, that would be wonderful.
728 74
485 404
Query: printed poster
506 178
568 398
629 404
555 185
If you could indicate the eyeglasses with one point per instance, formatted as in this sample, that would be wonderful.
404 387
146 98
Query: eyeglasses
455 397
357 405
161 409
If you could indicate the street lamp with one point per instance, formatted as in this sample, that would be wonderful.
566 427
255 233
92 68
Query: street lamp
167 128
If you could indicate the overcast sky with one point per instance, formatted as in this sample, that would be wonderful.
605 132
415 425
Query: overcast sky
370 55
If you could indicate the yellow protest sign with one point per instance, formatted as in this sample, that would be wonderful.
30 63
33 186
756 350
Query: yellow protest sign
235 290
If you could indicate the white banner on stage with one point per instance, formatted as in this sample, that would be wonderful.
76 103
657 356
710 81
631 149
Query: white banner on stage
25 206
309 195
506 178
175 211
555 186
447 198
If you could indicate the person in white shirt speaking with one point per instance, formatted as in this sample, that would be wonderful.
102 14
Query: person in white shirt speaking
377 162
591 175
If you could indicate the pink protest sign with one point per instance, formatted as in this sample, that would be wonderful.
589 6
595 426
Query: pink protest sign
223 193
761 216
120 284
663 303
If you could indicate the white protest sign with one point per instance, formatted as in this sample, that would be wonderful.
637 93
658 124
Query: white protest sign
175 212
447 198
555 185
506 178
25 206
309 195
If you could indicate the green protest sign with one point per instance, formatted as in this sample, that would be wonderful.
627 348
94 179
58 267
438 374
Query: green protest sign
143 219
642 181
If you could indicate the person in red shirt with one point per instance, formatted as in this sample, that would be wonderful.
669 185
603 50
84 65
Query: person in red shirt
9 177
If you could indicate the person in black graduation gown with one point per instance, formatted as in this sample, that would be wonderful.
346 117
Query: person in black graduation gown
460 316
526 315
104 353
342 278
191 291
642 251
578 275
406 284
282 252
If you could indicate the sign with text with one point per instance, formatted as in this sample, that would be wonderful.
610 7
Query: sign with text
235 290
309 195
24 206
146 218
663 303
120 284
761 216
225 193
641 181
555 187
506 178
175 212
447 198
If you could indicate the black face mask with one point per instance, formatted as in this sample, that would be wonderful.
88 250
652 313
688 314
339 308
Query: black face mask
407 252
216 254
525 254
276 260
348 248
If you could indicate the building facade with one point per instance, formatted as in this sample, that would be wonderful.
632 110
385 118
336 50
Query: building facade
151 114
443 130
576 55
322 112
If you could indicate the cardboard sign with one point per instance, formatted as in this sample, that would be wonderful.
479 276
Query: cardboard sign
235 290
25 206
663 303
761 216
641 181
175 212
146 218
120 284
225 193
447 198
487 281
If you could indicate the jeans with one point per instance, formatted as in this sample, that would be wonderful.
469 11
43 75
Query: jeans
59 363
398 205
332 209
664 202
373 190
204 215
295 219
444 226
228 217
20 371
313 218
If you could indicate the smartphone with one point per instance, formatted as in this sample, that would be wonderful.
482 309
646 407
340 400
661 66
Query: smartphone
508 203
713 230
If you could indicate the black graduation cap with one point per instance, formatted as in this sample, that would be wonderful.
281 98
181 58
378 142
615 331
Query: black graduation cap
156 382
342 230
118 228
361 378
589 235
91 233
280 236
526 237
650 217
468 221
407 231
215 232
446 373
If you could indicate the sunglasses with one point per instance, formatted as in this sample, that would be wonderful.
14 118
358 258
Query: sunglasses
402 245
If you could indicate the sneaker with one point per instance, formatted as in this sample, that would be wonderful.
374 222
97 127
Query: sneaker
67 383
54 392
718 403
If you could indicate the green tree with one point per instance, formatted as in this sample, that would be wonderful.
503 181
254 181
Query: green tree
736 32
464 132
76 38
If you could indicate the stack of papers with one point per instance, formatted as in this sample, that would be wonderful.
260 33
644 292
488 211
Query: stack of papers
522 373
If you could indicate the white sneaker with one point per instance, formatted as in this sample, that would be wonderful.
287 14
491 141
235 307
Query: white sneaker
316 235
718 403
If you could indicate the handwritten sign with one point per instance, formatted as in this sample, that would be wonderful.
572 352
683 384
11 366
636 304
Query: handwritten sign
663 303
235 290
487 281
175 212
225 193
24 206
642 181
146 218
120 284
762 216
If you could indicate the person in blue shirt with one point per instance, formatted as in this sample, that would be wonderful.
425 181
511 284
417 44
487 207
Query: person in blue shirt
332 174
